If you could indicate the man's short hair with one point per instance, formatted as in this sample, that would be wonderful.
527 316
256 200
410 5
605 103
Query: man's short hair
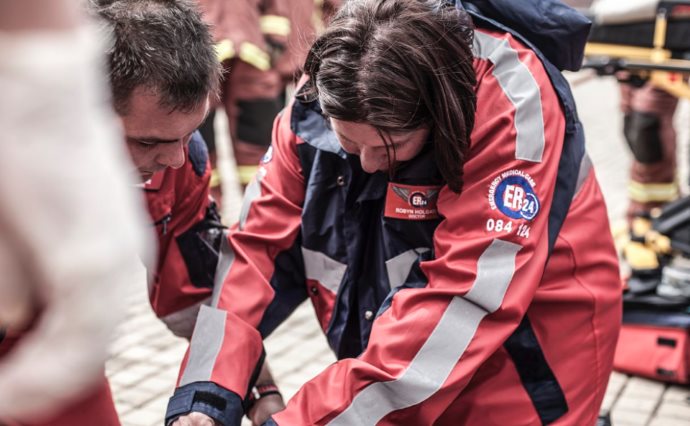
162 45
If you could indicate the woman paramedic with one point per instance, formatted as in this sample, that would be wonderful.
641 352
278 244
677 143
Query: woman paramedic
428 190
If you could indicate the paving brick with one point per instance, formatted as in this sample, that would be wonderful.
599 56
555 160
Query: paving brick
164 340
140 418
675 410
615 387
140 352
275 346
116 364
125 378
158 384
645 388
626 417
157 405
289 389
667 421
134 396
677 394
124 342
618 379
637 404
123 407
168 356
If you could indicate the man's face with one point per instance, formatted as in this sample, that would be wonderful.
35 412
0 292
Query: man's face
155 136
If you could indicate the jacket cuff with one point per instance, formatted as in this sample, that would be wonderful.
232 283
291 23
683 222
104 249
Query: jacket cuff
207 398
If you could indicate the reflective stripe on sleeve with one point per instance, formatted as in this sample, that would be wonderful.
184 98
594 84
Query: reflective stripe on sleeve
252 192
399 266
216 179
652 192
225 258
274 24
255 56
521 89
246 173
319 267
436 359
207 341
225 49
585 169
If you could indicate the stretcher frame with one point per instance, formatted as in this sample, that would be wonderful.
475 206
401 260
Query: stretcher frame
655 64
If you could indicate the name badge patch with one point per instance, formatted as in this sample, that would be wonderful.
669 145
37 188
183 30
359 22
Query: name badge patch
411 202
512 193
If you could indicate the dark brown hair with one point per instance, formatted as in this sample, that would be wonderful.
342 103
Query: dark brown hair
400 65
160 44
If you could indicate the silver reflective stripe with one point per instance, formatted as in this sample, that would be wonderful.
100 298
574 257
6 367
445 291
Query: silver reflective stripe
585 169
252 192
399 267
522 90
445 346
225 259
495 270
205 347
323 269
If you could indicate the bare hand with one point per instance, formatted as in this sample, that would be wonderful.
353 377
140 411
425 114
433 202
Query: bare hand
194 419
264 408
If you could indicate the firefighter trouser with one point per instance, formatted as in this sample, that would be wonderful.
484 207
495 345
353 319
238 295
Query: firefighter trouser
648 129
252 98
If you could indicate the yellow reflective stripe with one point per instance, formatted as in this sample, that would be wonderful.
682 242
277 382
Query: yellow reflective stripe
652 192
246 173
215 178
274 24
253 55
225 50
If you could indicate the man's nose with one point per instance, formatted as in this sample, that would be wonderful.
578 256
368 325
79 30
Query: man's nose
172 155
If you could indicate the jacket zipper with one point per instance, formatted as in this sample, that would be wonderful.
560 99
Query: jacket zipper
164 223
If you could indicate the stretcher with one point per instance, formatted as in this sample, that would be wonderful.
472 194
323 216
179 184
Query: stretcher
657 51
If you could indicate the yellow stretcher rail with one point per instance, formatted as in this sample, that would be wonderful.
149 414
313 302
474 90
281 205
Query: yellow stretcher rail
653 64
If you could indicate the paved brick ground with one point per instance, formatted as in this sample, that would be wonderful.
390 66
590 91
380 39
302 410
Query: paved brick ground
145 357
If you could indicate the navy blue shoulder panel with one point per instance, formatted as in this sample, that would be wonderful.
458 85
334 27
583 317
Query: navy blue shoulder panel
289 290
198 153
536 374
309 125
559 31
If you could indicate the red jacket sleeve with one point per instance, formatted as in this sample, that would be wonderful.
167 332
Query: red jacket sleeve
226 349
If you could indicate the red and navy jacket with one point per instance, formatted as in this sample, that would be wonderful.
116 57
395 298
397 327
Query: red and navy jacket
498 305
189 233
